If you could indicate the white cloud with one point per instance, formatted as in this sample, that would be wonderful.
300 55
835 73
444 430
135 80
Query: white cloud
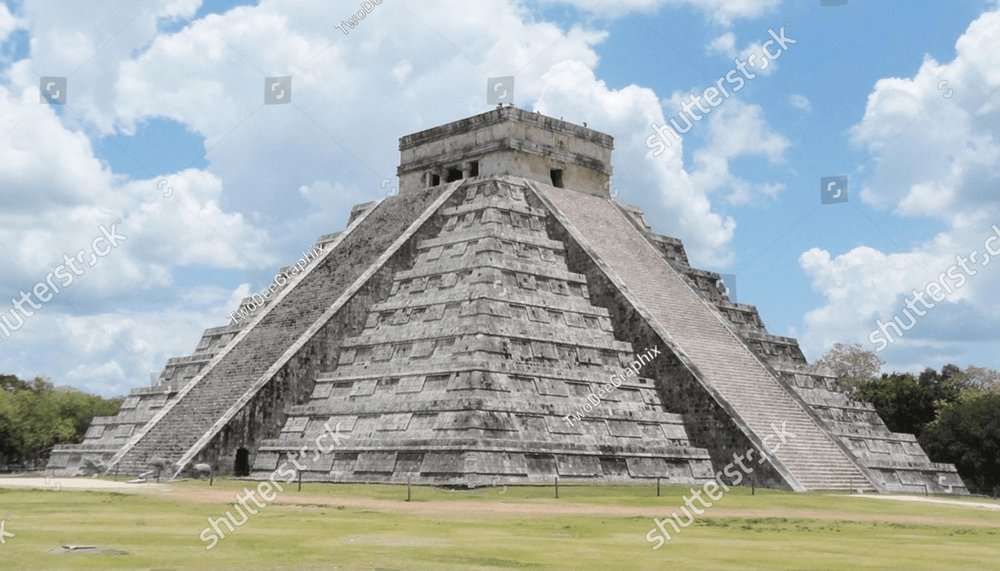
936 133
737 129
724 44
800 102
86 42
60 194
661 185
8 22
720 11
753 53
935 155
279 175
108 352
57 193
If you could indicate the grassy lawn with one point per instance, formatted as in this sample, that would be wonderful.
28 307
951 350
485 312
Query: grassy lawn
589 527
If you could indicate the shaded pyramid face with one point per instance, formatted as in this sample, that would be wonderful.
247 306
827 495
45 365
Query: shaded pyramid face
479 365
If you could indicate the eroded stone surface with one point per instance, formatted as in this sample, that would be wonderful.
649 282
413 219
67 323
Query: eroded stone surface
452 330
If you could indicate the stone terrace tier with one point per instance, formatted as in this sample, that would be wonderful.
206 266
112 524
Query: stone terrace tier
720 361
469 371
202 409
895 461
108 434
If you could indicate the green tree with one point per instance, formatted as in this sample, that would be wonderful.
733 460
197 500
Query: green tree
907 403
35 416
966 432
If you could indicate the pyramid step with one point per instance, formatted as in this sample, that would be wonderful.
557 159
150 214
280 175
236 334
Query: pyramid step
217 393
726 364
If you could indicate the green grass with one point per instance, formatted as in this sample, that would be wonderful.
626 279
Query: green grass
484 529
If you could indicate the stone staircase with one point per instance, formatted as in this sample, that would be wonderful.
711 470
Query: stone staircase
727 368
188 417
233 377
895 462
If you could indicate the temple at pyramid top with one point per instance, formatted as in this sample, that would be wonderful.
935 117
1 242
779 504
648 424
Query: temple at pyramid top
507 141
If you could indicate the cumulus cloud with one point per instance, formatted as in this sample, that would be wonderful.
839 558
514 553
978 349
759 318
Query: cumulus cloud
933 142
109 352
737 129
60 195
671 195
752 53
86 42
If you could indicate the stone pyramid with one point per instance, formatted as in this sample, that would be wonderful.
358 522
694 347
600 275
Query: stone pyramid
502 319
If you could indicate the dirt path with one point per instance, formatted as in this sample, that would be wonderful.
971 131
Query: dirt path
56 484
941 501
484 509
467 509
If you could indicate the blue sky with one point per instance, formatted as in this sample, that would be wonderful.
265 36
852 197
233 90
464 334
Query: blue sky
164 134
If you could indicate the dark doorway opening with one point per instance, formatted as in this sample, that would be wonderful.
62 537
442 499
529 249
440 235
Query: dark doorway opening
241 467
453 175
435 180
556 176
474 168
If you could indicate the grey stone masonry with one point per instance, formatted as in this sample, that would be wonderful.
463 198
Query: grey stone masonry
470 370
107 434
271 332
507 142
723 361
895 462
475 329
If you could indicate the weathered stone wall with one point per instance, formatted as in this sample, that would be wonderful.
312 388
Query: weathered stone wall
107 434
894 461
272 332
708 424
897 460
264 416
464 374
508 141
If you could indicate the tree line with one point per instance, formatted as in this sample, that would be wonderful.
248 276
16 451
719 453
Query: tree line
954 412
35 416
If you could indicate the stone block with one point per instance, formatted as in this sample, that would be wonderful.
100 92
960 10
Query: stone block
376 461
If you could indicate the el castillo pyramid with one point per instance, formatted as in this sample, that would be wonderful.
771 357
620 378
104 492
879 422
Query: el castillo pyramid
456 330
